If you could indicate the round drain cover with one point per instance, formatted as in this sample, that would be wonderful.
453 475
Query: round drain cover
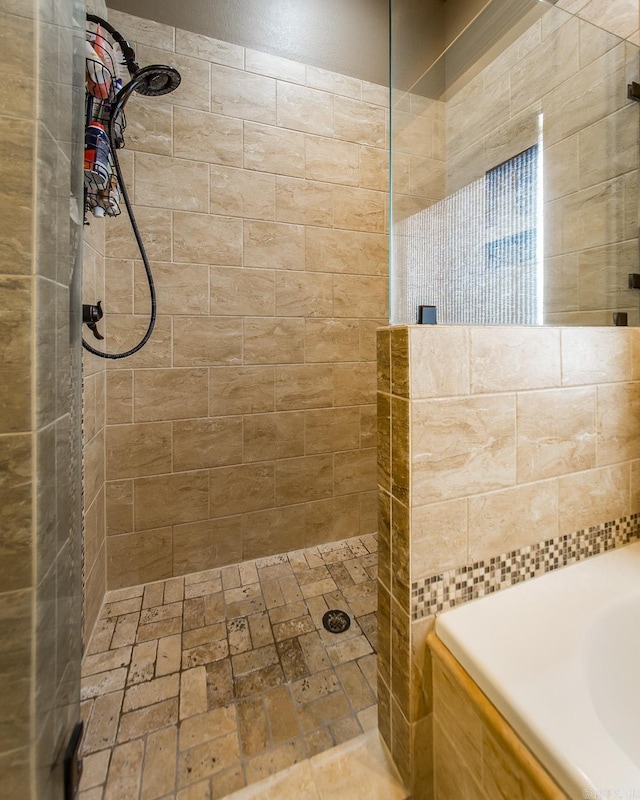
336 621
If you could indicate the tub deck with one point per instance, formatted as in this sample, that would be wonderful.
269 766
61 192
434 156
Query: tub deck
559 656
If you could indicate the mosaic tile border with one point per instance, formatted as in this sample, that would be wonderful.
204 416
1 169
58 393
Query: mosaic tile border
457 586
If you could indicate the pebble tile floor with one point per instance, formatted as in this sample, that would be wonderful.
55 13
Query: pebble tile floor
198 686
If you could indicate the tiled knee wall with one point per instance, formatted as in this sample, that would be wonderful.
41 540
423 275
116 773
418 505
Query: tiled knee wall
504 452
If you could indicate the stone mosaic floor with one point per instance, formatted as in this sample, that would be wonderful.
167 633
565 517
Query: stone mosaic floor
197 686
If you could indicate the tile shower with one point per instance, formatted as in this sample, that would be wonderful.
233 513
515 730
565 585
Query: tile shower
246 427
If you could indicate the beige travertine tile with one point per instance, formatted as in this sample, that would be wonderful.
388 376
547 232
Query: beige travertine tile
374 168
355 471
354 384
203 341
275 66
242 488
303 294
126 770
504 359
607 148
304 109
119 278
203 443
497 524
373 258
159 771
377 94
210 543
594 355
170 499
235 93
438 538
208 759
272 436
304 202
332 160
170 394
301 480
103 723
242 193
556 432
328 340
164 177
144 31
242 390
124 331
271 149
204 239
139 723
169 655
151 692
360 296
273 245
588 498
332 429
238 291
334 82
138 557
208 49
119 506
181 288
273 340
359 209
204 137
149 127
451 461
356 121
193 692
439 361
567 112
15 392
298 387
202 728
618 16
157 226
618 423
133 450
603 276
332 250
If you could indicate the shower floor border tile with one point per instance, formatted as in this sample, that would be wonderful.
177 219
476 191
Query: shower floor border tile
197 686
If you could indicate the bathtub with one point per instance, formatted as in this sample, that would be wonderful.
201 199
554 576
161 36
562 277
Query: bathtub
559 657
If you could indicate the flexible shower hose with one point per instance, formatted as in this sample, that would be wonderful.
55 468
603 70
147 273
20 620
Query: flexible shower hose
143 252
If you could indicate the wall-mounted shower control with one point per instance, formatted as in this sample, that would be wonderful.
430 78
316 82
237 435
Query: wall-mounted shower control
91 315
634 280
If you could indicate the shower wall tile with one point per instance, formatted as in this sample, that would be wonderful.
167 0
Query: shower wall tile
247 425
200 136
163 178
271 149
240 94
208 49
204 239
152 129
184 288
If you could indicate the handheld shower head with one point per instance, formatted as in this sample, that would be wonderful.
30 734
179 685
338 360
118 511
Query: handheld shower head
156 80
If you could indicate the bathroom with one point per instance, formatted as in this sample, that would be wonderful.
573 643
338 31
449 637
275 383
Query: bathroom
275 442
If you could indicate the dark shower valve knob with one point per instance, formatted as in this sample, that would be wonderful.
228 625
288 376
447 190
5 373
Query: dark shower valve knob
91 315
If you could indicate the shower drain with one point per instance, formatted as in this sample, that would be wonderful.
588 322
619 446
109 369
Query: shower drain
336 621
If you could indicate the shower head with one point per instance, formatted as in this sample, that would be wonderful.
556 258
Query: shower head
156 80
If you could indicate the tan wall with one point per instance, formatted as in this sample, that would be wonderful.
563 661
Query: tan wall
491 439
40 526
247 425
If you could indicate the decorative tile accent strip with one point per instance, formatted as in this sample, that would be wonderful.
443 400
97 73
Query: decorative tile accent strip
457 586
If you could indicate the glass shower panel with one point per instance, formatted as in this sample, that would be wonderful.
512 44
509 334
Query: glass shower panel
514 168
